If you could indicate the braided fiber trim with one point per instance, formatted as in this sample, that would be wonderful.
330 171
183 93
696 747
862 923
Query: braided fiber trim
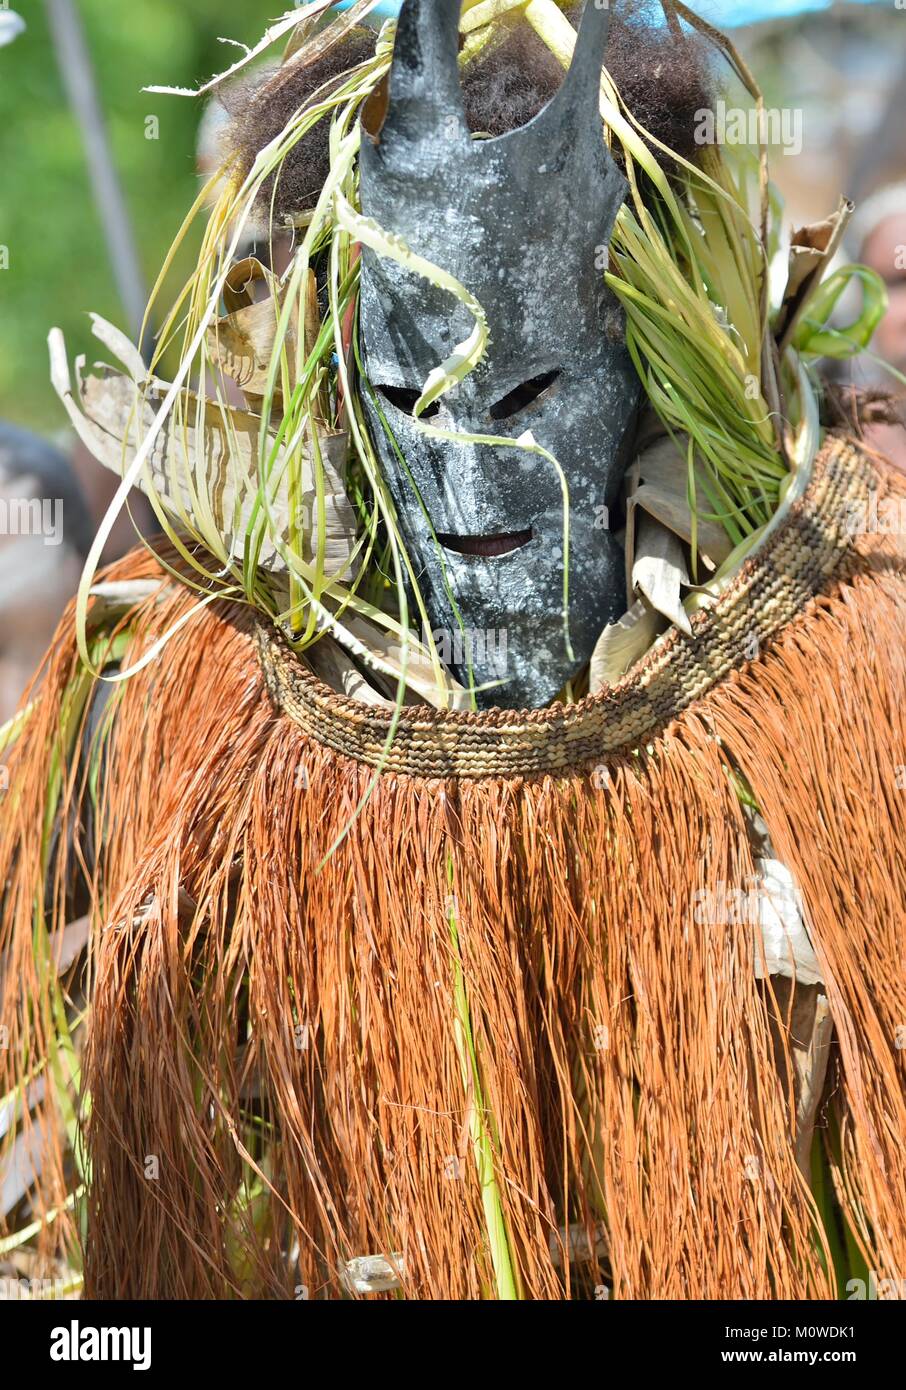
771 588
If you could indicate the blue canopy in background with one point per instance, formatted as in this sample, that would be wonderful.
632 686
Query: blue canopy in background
721 12
731 12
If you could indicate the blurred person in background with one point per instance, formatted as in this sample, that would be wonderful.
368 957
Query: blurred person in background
51 505
46 528
877 239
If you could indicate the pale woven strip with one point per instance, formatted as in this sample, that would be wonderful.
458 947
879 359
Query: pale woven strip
770 590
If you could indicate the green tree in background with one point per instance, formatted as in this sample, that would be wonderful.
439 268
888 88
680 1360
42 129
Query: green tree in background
57 267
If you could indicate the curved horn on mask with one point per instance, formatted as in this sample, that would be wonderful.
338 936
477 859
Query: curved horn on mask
423 93
579 91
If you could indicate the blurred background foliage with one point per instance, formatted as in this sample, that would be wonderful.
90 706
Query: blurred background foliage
58 264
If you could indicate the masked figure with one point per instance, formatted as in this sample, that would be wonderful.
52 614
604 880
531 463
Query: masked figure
486 525
471 968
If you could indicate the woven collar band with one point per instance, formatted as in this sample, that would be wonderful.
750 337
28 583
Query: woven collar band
772 587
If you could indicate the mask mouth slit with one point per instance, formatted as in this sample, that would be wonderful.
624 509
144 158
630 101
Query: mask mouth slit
486 547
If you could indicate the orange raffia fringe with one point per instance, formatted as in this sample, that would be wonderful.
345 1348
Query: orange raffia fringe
275 1055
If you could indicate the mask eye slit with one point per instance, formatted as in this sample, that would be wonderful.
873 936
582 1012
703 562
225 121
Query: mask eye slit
405 400
524 396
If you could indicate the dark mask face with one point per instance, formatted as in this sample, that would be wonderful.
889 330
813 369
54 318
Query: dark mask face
523 221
